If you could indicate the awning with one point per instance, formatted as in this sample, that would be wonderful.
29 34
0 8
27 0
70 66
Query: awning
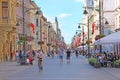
113 38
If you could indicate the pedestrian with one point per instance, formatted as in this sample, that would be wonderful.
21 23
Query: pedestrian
60 55
76 53
11 56
48 53
17 57
20 56
68 52
52 53
33 53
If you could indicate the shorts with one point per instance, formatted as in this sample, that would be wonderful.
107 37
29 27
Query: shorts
68 57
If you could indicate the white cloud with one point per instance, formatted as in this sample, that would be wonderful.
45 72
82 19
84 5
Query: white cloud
64 15
79 1
50 18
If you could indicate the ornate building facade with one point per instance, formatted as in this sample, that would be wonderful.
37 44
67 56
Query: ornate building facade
7 29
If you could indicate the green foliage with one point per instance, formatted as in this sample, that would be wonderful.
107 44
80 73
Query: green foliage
117 62
94 62
91 60
101 35
23 39
18 42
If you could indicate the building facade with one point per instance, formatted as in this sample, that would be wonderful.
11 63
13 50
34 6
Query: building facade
7 29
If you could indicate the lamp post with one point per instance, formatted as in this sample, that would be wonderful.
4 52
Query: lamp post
78 35
23 22
82 34
100 26
86 13
101 32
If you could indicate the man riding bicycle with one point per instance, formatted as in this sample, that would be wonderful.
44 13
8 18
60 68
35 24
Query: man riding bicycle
40 59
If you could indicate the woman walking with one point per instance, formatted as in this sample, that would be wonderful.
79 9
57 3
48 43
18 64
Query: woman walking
60 54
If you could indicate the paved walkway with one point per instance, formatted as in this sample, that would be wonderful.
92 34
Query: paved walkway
78 69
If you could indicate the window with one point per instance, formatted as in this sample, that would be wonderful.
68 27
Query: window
5 12
36 22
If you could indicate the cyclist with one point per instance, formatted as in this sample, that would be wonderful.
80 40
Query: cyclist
40 59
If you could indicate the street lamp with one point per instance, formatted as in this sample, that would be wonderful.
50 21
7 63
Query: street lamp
23 21
100 21
86 13
82 34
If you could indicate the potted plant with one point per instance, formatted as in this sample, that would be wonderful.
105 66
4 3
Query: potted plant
88 42
23 38
94 62
91 61
97 63
48 44
40 42
99 36
117 63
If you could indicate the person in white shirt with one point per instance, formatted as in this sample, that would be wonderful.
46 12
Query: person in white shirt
40 54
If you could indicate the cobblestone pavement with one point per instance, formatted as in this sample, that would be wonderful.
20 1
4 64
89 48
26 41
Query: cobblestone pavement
78 69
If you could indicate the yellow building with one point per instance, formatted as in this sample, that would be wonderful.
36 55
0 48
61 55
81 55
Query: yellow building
7 29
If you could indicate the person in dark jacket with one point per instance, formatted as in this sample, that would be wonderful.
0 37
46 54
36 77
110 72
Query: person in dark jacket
68 52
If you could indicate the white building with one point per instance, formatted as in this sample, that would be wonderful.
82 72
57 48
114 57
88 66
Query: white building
109 15
117 13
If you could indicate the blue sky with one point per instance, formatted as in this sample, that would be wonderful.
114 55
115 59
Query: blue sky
68 12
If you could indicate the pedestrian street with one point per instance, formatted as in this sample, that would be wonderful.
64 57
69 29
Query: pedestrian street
78 69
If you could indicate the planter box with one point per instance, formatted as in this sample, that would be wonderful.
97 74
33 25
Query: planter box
97 65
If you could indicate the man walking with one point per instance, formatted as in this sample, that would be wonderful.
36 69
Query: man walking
68 52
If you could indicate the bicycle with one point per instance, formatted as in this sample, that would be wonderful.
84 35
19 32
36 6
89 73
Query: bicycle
40 66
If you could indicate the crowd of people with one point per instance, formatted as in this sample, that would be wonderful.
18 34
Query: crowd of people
23 58
106 57
28 57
